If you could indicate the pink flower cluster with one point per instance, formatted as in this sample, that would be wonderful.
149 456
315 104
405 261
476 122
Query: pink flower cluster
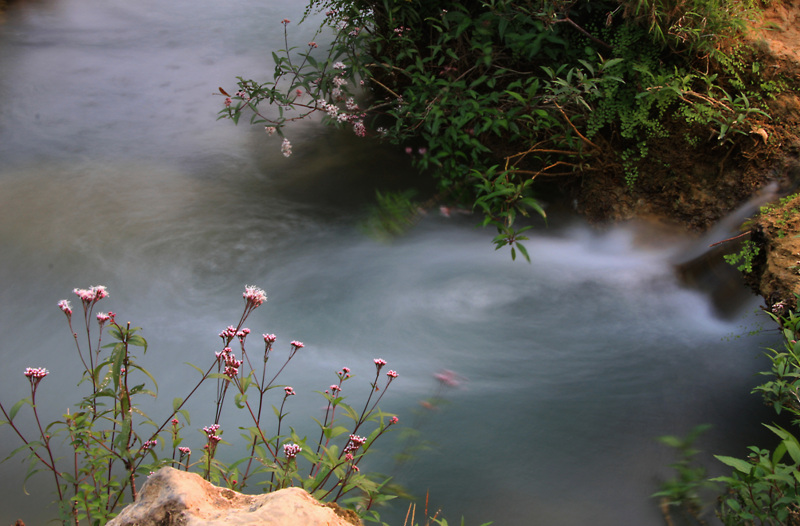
65 307
36 372
231 363
291 450
185 450
296 344
228 333
149 444
286 147
359 129
288 391
354 443
447 377
211 433
253 295
269 338
92 294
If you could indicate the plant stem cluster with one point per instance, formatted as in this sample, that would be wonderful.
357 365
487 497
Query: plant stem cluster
113 444
497 96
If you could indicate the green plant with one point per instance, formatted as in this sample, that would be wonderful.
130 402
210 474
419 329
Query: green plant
764 487
683 491
491 96
743 260
113 444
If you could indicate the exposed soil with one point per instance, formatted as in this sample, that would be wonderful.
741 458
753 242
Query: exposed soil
697 183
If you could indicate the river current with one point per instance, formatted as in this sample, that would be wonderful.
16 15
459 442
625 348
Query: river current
114 171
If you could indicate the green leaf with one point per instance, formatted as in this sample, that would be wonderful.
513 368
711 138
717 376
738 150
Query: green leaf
523 251
138 341
789 442
16 407
195 367
738 464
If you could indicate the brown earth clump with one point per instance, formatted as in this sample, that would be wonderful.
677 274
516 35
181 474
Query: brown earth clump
696 184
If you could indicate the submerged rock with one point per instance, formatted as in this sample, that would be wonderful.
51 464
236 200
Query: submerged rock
177 498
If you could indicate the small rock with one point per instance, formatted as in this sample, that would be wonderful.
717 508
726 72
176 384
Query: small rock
177 498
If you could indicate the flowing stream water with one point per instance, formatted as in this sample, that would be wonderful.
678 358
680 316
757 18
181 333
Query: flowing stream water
113 171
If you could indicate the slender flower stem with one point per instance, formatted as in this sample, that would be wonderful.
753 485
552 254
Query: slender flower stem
46 441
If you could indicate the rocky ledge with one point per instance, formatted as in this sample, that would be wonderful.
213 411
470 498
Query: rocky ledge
177 498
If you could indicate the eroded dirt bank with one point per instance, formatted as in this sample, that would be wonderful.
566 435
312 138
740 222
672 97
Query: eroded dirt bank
696 185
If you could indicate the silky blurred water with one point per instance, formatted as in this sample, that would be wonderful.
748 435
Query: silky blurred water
114 171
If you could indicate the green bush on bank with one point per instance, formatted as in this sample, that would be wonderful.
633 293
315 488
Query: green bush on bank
490 96
764 487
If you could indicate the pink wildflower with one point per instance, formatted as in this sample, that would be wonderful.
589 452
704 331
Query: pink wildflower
92 294
149 444
223 353
291 450
359 129
211 433
254 296
269 338
65 307
36 372
392 374
228 102
394 420
285 21
270 130
354 443
334 389
379 363
447 377
35 375
231 365
313 45
175 422
296 344
228 333
288 391
185 450
102 317
286 147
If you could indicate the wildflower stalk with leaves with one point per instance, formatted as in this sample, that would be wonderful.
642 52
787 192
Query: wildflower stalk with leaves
114 445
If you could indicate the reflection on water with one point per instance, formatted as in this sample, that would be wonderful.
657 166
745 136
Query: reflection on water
114 172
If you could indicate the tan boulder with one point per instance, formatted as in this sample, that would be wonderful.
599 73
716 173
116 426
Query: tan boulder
176 498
